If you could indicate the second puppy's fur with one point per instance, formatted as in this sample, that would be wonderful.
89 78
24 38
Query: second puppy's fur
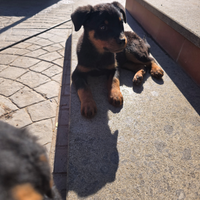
102 48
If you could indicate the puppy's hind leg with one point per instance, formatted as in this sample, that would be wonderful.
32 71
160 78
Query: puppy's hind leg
156 71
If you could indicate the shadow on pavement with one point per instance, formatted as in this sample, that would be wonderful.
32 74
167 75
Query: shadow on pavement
92 156
22 8
183 82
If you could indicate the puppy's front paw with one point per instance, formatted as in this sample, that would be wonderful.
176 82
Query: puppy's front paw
138 78
115 97
88 108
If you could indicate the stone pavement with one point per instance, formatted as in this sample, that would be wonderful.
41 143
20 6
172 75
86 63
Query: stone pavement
32 94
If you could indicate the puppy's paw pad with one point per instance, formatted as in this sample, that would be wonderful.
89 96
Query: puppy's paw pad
88 109
116 98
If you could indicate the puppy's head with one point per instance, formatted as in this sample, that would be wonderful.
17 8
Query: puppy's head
103 24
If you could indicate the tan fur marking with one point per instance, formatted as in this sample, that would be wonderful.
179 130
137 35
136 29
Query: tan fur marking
115 83
106 22
83 69
25 192
51 182
120 19
97 43
114 95
84 94
43 158
88 105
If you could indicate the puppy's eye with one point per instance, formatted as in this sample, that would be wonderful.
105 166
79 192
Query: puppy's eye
103 28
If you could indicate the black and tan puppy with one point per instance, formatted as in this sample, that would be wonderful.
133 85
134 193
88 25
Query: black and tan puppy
102 48
24 168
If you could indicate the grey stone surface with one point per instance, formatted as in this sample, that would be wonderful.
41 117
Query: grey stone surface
24 62
42 110
19 118
12 72
26 97
43 130
49 89
41 66
7 59
6 106
33 79
9 87
22 66
148 148
52 71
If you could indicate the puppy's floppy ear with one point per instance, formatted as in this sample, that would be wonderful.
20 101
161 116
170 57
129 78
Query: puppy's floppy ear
120 8
80 15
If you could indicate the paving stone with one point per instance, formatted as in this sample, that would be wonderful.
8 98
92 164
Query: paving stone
7 59
26 97
50 56
1 80
23 45
33 47
43 42
57 78
16 51
52 71
49 90
41 66
36 53
59 61
42 110
53 47
43 130
62 52
12 72
6 105
19 118
2 67
57 38
9 87
33 79
25 62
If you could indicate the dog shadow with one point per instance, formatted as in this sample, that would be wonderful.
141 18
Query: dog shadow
93 155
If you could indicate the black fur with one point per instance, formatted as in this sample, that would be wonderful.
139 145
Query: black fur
103 48
20 163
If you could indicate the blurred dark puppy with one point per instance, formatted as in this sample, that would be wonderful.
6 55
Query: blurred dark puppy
98 52
24 168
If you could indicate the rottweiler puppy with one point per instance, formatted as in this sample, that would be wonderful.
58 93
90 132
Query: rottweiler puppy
103 48
24 168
